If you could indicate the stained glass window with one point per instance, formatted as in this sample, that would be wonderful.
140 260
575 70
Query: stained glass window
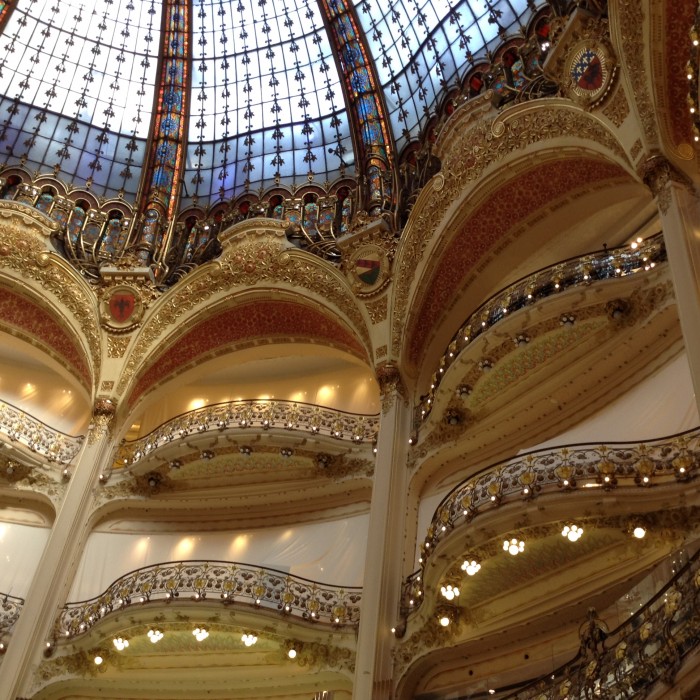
422 47
267 104
77 82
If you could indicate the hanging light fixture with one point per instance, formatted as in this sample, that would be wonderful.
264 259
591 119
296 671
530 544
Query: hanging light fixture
120 643
155 635
249 639
449 592
200 633
471 566
572 532
513 546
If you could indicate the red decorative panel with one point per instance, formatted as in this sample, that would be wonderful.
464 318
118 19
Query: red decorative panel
680 15
19 312
500 213
261 319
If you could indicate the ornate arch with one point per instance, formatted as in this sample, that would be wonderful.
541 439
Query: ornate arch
26 261
256 258
474 146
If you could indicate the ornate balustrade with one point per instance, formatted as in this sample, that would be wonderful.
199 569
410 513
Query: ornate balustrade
10 608
576 272
287 415
626 662
228 582
37 436
567 469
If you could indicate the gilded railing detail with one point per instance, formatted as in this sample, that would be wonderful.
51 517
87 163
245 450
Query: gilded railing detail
287 415
567 469
227 582
37 436
606 264
10 608
627 662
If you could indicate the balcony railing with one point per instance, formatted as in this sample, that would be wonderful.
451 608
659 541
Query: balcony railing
566 469
37 436
286 415
576 272
10 608
648 647
226 582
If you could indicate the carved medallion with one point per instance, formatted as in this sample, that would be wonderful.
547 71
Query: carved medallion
369 269
121 308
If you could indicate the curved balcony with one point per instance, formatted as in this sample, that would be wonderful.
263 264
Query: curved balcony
250 413
229 582
37 436
640 257
626 662
567 469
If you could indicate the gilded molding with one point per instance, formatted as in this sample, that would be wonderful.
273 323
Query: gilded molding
28 255
630 25
116 347
618 108
472 151
261 256
378 309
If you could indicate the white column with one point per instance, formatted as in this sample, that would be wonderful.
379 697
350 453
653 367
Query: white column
383 564
679 208
58 564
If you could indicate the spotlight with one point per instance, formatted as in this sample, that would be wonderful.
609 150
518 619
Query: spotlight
292 653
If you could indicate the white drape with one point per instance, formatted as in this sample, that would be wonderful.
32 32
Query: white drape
330 552
21 547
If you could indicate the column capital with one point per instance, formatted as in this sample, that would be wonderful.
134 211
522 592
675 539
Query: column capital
391 385
658 172
103 412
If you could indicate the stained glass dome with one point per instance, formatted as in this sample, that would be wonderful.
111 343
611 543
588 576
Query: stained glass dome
210 98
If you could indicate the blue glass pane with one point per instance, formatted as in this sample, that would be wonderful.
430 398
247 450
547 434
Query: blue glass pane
88 71
422 47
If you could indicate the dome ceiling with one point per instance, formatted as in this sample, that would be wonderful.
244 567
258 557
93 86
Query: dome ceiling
235 95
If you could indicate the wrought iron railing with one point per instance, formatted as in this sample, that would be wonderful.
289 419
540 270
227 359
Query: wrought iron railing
10 608
287 415
37 436
226 582
569 468
576 272
625 663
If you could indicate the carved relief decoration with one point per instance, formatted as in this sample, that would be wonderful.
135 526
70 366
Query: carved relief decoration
471 151
617 109
630 35
378 309
116 347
